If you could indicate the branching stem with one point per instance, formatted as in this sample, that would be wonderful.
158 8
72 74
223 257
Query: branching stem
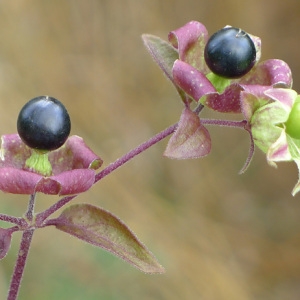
41 217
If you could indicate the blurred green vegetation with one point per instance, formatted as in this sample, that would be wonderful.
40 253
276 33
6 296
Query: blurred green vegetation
219 235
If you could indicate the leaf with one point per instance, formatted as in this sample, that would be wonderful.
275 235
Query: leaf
190 140
100 228
162 52
5 241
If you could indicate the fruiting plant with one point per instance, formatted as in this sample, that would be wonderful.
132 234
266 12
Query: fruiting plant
222 73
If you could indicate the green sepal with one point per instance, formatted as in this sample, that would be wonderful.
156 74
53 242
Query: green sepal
39 162
220 83
294 147
265 124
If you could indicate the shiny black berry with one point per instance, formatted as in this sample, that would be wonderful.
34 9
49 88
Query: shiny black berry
44 123
230 53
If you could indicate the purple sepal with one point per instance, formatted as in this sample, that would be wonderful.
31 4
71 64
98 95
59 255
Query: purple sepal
192 81
195 84
190 71
271 72
190 40
73 167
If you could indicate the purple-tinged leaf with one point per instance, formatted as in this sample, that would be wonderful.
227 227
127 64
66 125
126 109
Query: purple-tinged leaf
190 140
100 228
162 52
5 241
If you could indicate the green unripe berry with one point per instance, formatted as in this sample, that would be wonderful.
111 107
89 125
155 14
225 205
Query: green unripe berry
292 125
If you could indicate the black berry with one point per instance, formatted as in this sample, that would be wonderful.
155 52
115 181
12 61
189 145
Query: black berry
230 52
44 123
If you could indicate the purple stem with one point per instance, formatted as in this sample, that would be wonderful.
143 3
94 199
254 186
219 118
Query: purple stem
250 154
18 221
237 124
225 123
30 209
21 222
20 264
41 217
134 152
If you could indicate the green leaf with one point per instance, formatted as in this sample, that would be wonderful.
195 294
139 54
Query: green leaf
162 52
100 228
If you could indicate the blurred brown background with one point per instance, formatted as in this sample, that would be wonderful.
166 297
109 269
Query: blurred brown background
219 235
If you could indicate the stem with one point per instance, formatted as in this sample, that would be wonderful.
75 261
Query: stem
30 210
134 152
237 124
250 154
23 252
41 217
199 108
18 221
20 264
226 123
